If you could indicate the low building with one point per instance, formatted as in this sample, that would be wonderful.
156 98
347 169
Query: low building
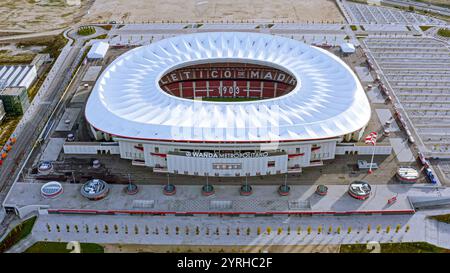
15 100
98 50
347 48
40 60
17 75
2 111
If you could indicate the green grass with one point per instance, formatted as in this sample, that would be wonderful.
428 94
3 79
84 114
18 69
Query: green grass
417 247
445 218
7 126
86 30
444 32
57 247
425 28
106 27
230 99
354 28
53 44
18 233
23 58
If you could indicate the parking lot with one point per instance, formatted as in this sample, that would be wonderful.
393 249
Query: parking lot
365 14
418 70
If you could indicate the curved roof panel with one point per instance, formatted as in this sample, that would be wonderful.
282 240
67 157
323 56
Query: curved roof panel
328 100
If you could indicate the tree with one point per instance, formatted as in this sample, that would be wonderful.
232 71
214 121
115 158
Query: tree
397 229
146 230
378 228
319 229
299 230
309 230
238 231
48 227
330 230
116 228
96 228
368 228
86 228
349 230
258 231
269 229
126 229
187 230
248 231
207 231
217 231
106 229
289 230
407 228
279 231
167 230
388 228
177 230
67 228
338 230
228 230
197 230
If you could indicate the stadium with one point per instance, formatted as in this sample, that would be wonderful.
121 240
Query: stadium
228 104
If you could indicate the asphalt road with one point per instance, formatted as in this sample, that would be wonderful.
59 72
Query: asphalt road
34 125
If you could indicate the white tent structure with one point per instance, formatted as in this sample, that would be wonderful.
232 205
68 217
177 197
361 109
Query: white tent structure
98 50
348 48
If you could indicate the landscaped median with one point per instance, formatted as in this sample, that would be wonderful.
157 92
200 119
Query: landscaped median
58 247
410 247
18 233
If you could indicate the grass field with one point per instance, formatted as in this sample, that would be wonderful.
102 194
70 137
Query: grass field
445 218
418 247
7 127
18 233
444 32
57 247
53 44
8 59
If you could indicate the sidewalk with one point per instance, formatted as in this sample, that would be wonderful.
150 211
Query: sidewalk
188 199
152 230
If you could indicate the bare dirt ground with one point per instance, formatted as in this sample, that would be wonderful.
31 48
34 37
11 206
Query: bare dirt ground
43 15
116 248
213 10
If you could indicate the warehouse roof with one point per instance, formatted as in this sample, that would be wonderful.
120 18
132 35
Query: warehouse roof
328 100
16 75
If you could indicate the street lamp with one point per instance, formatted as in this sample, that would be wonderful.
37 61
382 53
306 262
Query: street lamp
131 188
246 189
169 189
207 189
284 189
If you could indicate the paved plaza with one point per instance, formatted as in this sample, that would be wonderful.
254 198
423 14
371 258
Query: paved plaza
247 232
26 197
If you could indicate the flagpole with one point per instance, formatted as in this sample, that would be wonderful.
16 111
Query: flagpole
371 160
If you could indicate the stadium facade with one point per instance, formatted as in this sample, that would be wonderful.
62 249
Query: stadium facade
228 104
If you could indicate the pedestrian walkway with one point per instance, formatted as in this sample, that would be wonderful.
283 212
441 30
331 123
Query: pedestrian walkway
189 200
169 230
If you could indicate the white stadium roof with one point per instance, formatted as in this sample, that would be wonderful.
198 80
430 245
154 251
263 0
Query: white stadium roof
327 102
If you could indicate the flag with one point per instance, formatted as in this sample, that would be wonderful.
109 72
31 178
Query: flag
371 138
